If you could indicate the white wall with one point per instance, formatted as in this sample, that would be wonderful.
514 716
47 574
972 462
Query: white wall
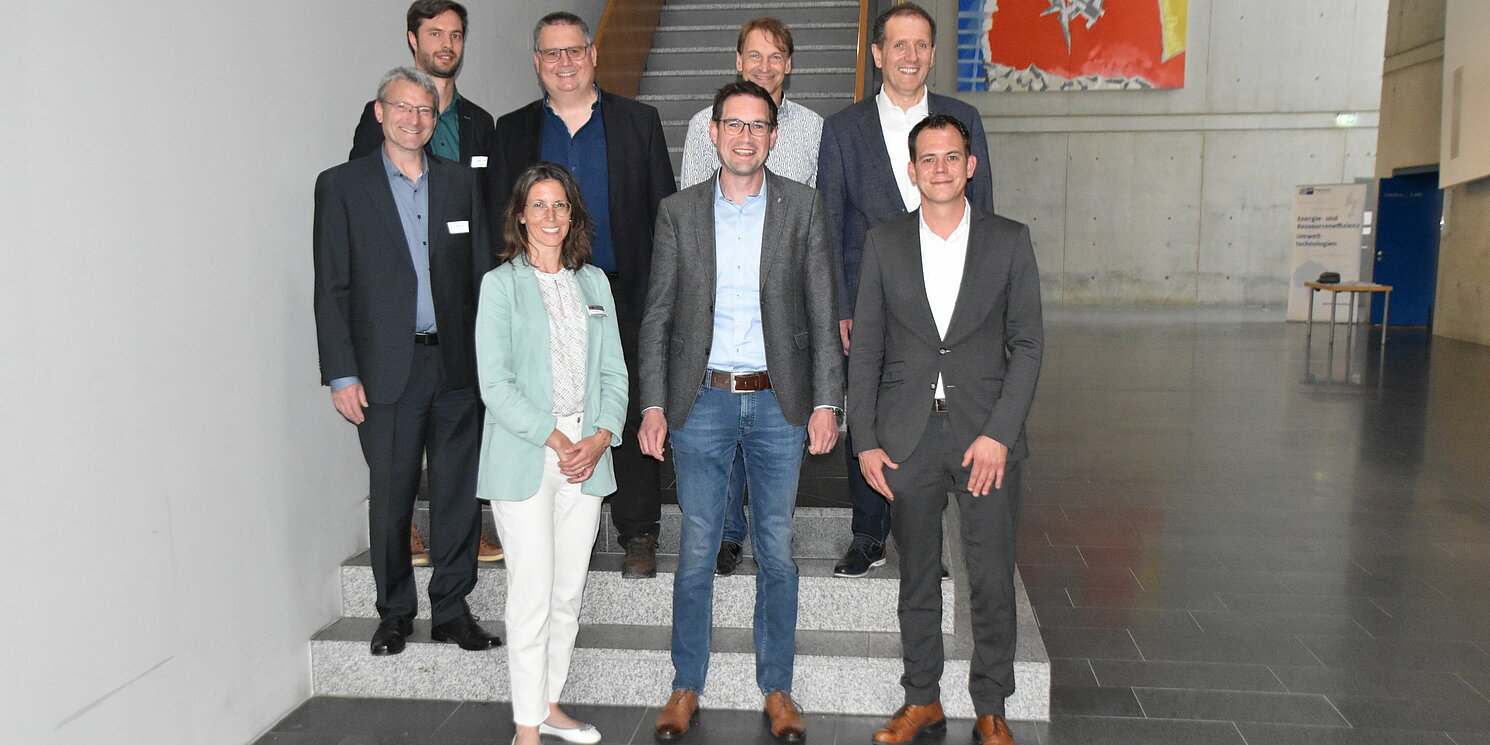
176 489
1184 196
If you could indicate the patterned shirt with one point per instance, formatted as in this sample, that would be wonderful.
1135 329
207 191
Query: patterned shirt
567 338
799 130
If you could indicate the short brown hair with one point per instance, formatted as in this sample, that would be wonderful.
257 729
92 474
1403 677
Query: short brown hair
576 249
903 9
742 88
774 30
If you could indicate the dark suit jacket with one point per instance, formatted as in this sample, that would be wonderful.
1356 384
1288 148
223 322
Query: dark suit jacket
639 172
853 173
989 361
478 139
799 323
365 289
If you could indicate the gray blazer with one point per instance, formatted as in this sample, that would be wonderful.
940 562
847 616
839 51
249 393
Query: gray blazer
799 312
989 361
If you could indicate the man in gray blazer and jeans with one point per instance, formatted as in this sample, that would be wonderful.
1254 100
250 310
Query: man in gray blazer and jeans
739 348
946 353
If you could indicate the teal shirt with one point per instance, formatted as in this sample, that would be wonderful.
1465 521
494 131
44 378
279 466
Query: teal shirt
446 140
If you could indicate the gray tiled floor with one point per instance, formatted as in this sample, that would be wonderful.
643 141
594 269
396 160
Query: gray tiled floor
1227 538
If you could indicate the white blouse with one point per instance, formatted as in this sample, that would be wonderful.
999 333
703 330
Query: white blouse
568 339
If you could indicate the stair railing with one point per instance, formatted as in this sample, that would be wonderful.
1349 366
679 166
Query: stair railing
623 41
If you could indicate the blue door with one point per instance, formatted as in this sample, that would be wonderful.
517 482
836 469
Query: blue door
1407 224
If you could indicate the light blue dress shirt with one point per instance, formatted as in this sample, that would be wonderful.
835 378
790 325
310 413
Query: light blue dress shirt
412 200
739 344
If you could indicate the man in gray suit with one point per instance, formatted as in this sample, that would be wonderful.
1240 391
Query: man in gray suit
739 348
946 353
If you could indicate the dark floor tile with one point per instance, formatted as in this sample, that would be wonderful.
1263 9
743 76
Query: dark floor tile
1279 623
1169 599
1264 649
1260 733
1387 655
1455 714
1074 730
727 727
1469 738
1360 585
1048 555
1116 618
1351 682
1081 577
1108 644
300 738
1071 671
1240 706
1202 675
373 716
1094 701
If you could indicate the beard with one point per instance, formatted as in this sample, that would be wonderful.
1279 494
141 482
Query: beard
429 64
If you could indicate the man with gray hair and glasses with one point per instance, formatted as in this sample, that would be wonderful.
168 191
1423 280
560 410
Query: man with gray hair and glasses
400 249
615 150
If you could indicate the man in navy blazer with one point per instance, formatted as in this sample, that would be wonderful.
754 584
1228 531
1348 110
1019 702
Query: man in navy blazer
465 133
621 163
862 173
400 250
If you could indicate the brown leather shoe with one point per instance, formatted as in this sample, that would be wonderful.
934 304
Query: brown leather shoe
784 717
416 547
991 729
641 557
911 721
680 713
489 550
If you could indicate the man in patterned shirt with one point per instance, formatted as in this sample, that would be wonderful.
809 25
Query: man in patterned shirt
763 55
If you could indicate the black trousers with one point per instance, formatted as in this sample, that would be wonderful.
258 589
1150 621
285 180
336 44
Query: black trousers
445 424
636 506
988 534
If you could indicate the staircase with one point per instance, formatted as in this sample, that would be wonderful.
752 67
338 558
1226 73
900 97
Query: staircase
848 647
693 54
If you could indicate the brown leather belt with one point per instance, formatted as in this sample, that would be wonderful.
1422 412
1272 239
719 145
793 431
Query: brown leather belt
939 405
738 382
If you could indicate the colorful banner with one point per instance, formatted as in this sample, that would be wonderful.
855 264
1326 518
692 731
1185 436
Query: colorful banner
1061 45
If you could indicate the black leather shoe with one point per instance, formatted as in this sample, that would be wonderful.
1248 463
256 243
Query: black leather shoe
729 558
861 557
640 561
464 630
392 635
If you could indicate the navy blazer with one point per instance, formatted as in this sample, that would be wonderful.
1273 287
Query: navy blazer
365 287
859 190
478 149
639 172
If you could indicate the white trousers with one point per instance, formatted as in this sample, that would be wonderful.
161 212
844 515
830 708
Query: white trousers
548 538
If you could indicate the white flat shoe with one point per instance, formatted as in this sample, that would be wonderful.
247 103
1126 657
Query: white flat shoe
584 734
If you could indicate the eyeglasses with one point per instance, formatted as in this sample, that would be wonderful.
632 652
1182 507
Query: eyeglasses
552 55
560 208
408 108
736 126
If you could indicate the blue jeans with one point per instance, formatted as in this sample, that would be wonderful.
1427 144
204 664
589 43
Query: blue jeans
704 449
735 524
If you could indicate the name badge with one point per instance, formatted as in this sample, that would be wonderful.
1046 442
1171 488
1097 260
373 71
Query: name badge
458 226
478 161
596 310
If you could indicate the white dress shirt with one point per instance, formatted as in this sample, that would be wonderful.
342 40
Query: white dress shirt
941 267
895 125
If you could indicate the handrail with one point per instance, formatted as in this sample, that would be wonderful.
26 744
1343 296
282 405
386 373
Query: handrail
623 41
861 64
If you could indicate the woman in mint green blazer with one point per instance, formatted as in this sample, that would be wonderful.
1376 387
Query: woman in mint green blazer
548 356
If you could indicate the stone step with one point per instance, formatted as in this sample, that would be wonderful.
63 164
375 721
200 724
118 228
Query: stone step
727 34
825 602
673 106
813 80
701 58
794 15
820 532
628 665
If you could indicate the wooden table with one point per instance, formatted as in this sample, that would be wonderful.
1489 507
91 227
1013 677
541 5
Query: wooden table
1354 288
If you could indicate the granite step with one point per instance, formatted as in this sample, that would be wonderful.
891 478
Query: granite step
846 672
825 602
794 15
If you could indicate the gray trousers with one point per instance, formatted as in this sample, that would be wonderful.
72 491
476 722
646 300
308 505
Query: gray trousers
988 524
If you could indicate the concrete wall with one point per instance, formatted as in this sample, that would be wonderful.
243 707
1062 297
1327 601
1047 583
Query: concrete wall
1411 106
177 490
1184 197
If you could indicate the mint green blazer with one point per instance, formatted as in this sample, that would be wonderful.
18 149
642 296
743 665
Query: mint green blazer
515 371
